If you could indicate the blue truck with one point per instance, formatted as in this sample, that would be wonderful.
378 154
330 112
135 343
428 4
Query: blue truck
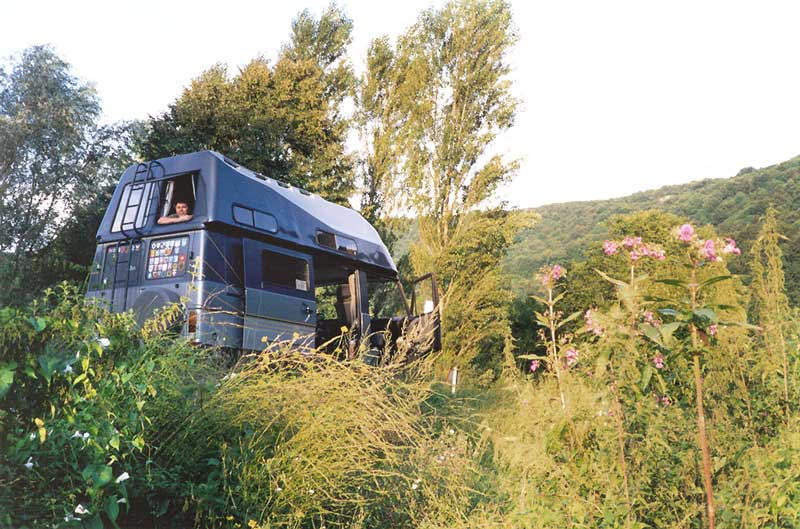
248 257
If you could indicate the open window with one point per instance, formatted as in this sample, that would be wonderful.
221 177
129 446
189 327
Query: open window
142 201
181 189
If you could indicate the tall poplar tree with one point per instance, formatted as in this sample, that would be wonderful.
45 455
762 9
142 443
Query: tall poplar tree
447 93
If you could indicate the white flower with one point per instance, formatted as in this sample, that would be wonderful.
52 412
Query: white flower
104 342
29 464
80 509
69 518
278 488
76 434
32 436
311 491
68 369
414 486
122 500
122 477
452 431
85 436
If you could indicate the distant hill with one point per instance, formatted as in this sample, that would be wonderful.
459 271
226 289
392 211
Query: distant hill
734 206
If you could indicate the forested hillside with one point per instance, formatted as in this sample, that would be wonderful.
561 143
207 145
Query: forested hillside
734 206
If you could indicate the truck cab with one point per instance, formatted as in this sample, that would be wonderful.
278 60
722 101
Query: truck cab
252 261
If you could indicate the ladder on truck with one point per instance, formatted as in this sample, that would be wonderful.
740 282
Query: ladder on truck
133 228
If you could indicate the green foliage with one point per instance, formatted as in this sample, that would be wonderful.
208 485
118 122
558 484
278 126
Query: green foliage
76 418
770 303
91 433
284 120
570 232
429 111
55 159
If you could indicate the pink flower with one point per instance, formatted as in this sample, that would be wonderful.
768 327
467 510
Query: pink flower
686 233
730 247
631 242
653 252
591 326
666 401
651 319
610 247
551 274
712 329
658 361
572 357
708 252
534 365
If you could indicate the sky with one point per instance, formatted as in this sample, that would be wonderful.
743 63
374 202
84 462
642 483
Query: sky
616 96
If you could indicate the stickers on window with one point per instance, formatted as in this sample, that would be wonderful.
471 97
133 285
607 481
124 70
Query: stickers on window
167 258
300 284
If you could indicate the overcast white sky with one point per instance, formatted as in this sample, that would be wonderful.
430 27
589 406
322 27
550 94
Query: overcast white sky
618 96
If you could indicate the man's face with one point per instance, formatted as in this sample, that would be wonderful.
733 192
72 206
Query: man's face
182 208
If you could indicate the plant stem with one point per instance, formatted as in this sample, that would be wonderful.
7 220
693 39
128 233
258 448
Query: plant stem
621 442
553 350
701 417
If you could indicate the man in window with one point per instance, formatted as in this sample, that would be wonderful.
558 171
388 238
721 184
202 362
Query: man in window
181 214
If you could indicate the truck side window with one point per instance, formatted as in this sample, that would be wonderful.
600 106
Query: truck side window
284 271
134 206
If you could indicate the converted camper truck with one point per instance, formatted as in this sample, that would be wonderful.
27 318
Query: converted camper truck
249 260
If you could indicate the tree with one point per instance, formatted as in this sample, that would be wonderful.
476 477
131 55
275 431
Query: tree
435 106
283 120
53 159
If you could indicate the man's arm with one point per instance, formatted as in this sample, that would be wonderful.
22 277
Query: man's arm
173 220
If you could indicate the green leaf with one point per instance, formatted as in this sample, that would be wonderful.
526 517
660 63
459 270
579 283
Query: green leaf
104 476
6 377
38 324
673 282
705 314
80 378
668 329
740 325
112 509
713 280
668 312
532 357
114 441
48 366
138 442
647 374
611 279
569 318
96 522
651 332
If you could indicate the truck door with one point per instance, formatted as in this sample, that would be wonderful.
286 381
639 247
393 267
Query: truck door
425 322
279 296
